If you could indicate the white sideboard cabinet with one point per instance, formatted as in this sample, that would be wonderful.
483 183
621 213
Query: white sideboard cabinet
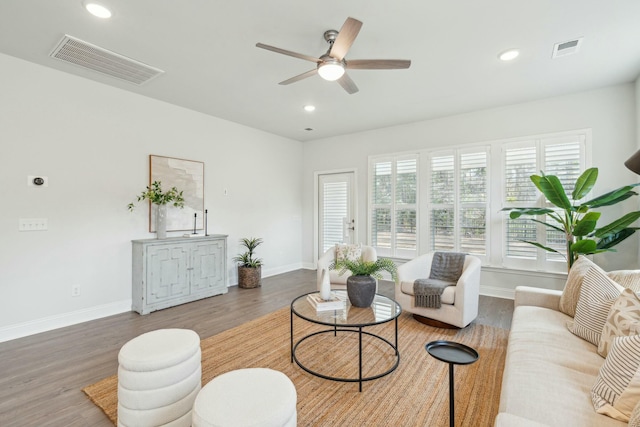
173 271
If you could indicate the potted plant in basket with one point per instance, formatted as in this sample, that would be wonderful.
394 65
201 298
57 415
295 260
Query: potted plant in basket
361 285
160 199
249 268
576 219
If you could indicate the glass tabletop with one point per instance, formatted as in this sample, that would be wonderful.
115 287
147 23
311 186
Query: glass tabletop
382 310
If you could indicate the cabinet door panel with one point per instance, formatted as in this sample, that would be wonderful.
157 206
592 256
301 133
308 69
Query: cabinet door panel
208 260
169 274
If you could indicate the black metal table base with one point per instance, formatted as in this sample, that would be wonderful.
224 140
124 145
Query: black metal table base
360 379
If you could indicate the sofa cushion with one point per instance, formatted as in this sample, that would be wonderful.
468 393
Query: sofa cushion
597 294
571 292
617 388
623 320
510 420
549 372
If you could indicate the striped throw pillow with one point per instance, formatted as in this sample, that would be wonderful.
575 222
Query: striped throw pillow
635 416
597 294
616 391
623 320
571 292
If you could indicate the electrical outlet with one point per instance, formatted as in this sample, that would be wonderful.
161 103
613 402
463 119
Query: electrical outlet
75 290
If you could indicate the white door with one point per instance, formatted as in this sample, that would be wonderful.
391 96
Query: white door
336 210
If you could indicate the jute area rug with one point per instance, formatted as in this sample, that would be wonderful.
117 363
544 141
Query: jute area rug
415 394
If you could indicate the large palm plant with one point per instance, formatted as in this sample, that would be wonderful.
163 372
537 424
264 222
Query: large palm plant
576 219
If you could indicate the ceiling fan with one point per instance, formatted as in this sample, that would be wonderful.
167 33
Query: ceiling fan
332 65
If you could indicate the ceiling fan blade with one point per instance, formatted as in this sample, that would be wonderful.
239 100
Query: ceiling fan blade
299 77
287 52
348 84
345 39
378 64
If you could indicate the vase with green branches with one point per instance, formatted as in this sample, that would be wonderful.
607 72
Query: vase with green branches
160 199
249 267
576 219
362 284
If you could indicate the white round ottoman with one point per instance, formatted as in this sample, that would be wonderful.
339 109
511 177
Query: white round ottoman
159 377
254 397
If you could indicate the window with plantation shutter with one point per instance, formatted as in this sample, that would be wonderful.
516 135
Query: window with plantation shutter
563 156
458 201
334 211
473 203
519 164
393 206
442 193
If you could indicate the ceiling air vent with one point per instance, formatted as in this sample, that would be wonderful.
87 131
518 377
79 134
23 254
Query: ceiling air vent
86 55
566 48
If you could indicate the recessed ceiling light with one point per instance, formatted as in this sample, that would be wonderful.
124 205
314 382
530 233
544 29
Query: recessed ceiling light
509 55
309 108
97 9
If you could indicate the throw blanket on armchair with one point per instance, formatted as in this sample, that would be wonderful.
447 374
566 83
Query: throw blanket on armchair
446 269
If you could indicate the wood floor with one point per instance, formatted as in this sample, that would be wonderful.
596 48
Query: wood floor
41 376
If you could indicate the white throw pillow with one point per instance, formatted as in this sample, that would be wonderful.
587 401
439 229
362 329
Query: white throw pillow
623 320
597 294
616 391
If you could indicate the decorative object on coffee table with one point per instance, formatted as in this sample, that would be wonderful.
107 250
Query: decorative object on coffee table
159 199
361 285
454 354
325 285
249 268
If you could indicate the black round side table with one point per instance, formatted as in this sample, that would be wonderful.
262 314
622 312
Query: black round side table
454 354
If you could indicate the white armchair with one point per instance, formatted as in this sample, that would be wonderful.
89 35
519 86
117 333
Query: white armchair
459 303
337 281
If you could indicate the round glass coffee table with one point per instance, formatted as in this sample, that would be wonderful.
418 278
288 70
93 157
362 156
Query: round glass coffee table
348 320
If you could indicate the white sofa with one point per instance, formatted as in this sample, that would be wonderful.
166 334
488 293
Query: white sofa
548 372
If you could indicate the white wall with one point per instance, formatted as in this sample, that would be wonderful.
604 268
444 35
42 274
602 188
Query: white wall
93 142
609 112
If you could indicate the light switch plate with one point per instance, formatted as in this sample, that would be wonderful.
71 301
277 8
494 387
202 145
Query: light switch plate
33 224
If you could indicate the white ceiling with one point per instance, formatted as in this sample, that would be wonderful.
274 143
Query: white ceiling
207 50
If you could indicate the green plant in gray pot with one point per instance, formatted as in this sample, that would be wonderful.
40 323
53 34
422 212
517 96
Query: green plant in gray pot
361 285
249 268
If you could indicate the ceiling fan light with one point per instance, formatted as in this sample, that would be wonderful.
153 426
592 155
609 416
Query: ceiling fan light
331 71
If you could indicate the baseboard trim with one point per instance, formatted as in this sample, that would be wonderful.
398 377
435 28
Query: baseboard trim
57 321
497 292
280 270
